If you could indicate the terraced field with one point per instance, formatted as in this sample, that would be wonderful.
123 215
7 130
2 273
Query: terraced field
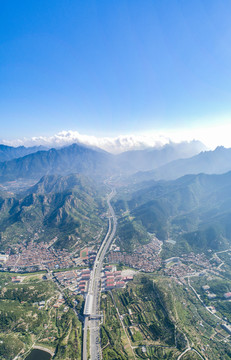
28 318
158 318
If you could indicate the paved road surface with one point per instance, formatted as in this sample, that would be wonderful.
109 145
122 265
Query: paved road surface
92 321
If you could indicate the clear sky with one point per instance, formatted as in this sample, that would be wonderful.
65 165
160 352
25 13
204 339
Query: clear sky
113 67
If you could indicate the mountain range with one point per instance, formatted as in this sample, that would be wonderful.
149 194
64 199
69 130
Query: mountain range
9 152
194 211
167 163
153 158
217 161
66 207
92 162
68 160
68 194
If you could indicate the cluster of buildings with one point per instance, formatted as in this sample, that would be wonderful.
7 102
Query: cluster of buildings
88 256
37 256
76 281
227 295
227 328
41 304
3 258
16 279
113 279
197 259
146 258
210 295
175 267
186 265
59 302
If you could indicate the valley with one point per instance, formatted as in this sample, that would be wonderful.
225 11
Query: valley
68 241
115 180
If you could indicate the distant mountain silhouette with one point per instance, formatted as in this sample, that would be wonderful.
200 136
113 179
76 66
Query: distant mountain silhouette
217 161
71 159
152 158
195 210
92 162
9 152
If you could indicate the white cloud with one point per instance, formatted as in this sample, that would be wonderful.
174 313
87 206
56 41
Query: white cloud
211 136
114 145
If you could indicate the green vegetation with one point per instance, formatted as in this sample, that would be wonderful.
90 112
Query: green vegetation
190 355
27 320
69 337
111 332
218 286
146 322
130 232
193 210
161 319
68 208
68 160
145 314
10 345
152 352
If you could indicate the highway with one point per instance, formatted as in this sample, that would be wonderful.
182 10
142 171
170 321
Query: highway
92 304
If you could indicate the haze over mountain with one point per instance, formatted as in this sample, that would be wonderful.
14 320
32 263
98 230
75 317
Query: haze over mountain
190 206
152 158
115 180
93 162
9 152
194 210
115 145
217 161
68 160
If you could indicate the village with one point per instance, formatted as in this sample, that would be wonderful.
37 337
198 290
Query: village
186 265
37 256
145 258
40 256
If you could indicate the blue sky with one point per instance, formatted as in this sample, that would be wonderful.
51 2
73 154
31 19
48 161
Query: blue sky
115 67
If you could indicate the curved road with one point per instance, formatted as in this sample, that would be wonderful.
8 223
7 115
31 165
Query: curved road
92 320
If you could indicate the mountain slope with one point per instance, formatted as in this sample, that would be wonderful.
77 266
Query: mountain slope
92 162
9 152
208 162
152 158
68 160
68 208
194 208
